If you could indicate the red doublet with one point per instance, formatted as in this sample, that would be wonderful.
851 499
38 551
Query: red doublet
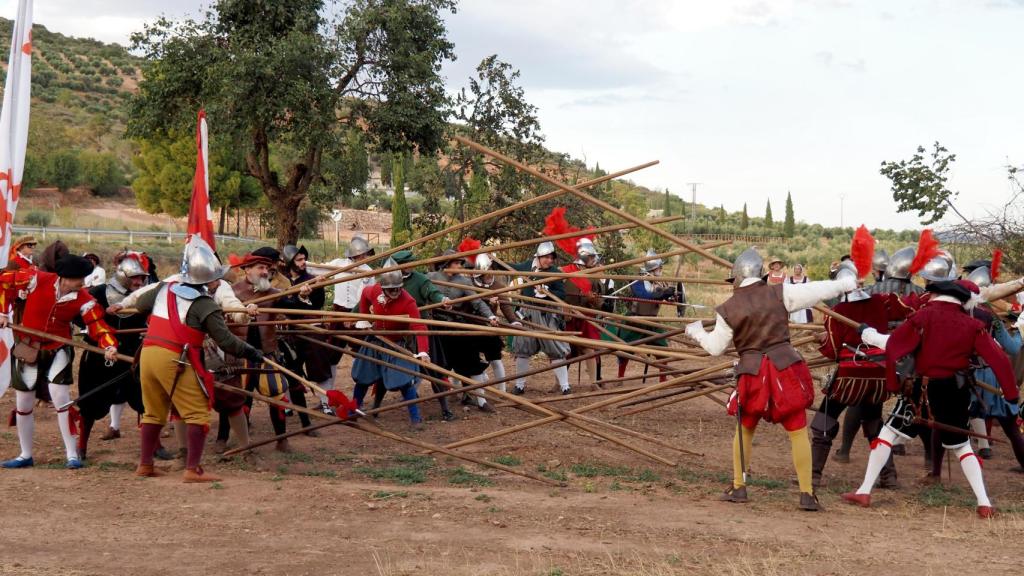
44 312
370 302
943 337
18 262
573 324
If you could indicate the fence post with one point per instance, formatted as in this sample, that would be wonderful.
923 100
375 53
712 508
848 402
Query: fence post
88 235
169 241
44 232
131 237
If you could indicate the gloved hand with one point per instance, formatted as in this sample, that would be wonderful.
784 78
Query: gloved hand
423 356
668 293
364 325
695 329
253 354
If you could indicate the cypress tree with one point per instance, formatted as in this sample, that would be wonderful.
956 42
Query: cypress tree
768 222
401 227
789 228
744 219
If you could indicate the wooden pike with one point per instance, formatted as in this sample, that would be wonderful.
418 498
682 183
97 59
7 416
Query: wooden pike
567 275
520 402
595 201
374 430
539 281
451 229
659 351
693 377
434 396
67 341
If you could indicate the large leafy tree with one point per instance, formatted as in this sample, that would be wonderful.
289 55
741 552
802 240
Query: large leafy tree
284 78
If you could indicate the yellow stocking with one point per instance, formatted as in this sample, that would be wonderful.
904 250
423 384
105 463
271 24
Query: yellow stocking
801 447
748 447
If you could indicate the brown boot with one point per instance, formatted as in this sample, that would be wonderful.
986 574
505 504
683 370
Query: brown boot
148 471
111 434
198 475
809 502
735 495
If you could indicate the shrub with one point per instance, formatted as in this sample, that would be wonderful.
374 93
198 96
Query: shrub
38 218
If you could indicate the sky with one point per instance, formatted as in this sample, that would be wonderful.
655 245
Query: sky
750 99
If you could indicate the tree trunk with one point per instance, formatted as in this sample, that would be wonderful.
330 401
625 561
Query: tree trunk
285 199
223 216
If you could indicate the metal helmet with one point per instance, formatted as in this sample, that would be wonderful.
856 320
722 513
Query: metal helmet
585 247
939 268
482 264
653 263
975 264
982 276
748 264
899 263
357 247
544 249
846 268
290 251
129 267
392 279
199 264
880 261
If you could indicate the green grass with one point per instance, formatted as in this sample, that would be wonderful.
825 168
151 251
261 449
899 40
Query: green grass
942 496
216 486
321 473
461 476
298 457
594 470
109 466
556 475
386 495
409 469
508 460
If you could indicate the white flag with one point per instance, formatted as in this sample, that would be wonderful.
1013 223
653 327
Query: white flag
13 141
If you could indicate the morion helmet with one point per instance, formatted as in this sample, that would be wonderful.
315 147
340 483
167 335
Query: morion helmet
199 264
899 264
392 279
748 264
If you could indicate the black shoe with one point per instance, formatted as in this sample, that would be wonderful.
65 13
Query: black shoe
841 457
809 502
447 416
566 391
735 495
518 391
985 453
486 407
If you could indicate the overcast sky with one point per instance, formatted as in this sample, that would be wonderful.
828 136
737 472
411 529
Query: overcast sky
749 98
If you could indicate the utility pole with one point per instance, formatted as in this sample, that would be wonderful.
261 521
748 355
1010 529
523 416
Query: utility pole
693 196
842 197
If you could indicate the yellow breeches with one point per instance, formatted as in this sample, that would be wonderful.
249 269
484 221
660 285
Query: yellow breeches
158 369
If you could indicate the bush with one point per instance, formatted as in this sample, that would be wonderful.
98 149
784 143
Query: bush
38 218
101 173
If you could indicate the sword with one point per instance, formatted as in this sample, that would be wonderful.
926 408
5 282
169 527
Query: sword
94 391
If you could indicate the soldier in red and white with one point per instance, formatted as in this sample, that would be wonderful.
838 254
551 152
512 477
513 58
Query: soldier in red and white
773 381
52 301
584 292
21 254
941 338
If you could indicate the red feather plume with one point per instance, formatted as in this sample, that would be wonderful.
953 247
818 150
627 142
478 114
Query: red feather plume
927 248
997 261
862 251
235 259
466 245
555 223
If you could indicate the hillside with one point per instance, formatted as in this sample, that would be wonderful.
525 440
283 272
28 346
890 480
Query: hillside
79 90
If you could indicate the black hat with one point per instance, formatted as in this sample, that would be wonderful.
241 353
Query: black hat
72 266
975 264
267 252
950 288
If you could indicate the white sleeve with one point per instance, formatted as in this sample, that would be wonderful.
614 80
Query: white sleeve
871 337
800 296
716 341
225 298
1000 291
130 299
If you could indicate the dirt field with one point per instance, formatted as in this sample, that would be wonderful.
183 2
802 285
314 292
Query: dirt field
347 503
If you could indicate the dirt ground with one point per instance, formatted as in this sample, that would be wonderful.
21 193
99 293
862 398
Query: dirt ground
349 503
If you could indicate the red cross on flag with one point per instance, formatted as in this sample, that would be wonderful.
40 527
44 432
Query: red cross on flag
13 141
200 216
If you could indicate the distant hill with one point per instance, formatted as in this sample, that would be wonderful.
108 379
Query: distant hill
79 88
